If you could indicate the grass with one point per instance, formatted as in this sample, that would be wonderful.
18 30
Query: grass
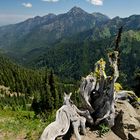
15 125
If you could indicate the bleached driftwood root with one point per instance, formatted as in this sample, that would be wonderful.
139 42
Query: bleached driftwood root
88 84
97 90
130 96
66 114
125 94
58 127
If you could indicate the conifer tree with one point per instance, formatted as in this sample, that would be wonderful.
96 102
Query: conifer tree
136 84
47 101
53 89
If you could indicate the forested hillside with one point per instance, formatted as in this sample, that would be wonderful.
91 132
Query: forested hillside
28 99
75 57
40 87
72 42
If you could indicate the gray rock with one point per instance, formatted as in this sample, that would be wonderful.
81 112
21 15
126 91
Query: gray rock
127 124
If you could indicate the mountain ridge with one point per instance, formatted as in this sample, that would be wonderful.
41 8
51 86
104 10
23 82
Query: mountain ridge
75 39
54 27
57 26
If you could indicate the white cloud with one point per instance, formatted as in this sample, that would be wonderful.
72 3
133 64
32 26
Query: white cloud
96 2
51 0
27 5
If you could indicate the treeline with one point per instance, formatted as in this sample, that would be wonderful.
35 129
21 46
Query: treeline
40 89
18 78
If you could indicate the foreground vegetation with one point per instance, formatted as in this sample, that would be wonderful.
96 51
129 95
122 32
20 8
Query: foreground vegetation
22 124
28 100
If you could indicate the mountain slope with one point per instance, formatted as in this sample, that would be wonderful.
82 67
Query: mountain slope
43 31
73 58
72 42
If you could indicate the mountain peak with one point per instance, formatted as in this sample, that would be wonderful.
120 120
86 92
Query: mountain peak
76 10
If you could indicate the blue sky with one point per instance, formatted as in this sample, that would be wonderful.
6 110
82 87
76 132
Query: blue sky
13 11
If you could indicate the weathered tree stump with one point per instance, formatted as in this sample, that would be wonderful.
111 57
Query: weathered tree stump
67 114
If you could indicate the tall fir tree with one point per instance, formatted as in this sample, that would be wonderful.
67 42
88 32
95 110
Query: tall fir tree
47 100
53 89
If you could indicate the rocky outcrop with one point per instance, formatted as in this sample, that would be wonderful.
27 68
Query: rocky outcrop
127 122
127 125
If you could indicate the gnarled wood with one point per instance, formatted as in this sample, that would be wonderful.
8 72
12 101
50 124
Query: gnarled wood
97 90
66 114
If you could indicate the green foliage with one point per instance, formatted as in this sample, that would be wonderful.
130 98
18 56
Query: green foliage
103 129
18 78
75 57
136 84
53 90
24 87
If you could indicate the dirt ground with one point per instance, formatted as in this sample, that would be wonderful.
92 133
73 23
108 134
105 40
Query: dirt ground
92 135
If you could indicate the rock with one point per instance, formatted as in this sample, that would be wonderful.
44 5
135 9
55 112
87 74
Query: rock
127 123
133 136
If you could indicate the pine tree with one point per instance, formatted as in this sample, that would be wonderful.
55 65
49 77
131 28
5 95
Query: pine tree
136 84
47 100
53 90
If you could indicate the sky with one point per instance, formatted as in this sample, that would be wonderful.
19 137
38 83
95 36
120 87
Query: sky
14 11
